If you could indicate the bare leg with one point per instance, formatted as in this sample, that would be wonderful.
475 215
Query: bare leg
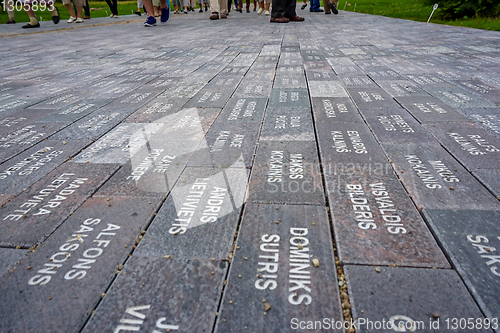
70 10
79 11
148 4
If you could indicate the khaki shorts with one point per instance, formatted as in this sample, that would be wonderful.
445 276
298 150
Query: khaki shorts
78 3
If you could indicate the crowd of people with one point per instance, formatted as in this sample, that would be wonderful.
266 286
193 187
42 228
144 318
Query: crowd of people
283 11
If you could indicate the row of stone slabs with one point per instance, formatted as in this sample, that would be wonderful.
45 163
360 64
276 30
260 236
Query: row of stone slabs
378 184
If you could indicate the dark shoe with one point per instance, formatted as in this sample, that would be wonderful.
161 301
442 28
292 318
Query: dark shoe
239 10
28 26
138 13
56 18
223 16
86 17
201 10
151 21
165 14
327 13
11 22
214 16
333 8
296 18
248 10
280 20
303 6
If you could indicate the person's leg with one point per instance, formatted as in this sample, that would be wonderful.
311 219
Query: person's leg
69 8
33 23
278 9
86 8
223 8
115 7
10 12
148 4
268 3
110 5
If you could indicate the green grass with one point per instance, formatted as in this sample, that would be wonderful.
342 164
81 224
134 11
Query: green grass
101 9
414 10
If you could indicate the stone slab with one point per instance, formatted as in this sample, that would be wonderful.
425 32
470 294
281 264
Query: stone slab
162 294
376 223
200 216
10 123
92 126
287 124
404 296
399 88
486 118
371 98
289 98
471 240
10 260
348 143
268 264
457 97
32 216
243 110
286 172
63 280
288 82
480 88
336 109
290 70
475 147
396 125
75 111
490 178
356 81
26 137
209 98
31 165
156 109
227 145
326 89
428 109
435 180
254 89
321 75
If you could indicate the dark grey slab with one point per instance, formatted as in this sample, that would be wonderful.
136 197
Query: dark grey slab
30 166
162 294
435 180
480 88
399 88
286 172
371 98
486 118
209 98
10 122
10 260
63 280
472 242
269 265
155 110
356 81
457 97
287 124
200 216
92 126
396 125
376 223
404 296
183 90
58 102
15 142
75 111
348 143
490 178
336 109
32 216
428 109
290 70
243 110
475 147
289 98
382 73
227 145
223 83
286 81
254 89
320 65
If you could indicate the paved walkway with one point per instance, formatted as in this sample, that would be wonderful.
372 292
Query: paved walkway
243 176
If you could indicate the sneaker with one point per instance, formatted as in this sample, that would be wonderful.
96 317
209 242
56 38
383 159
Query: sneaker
138 13
111 16
201 10
303 6
165 14
71 19
115 16
185 11
56 18
151 21
333 8
79 20
248 10
11 22
28 26
267 13
260 11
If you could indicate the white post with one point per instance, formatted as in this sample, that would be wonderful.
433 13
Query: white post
433 9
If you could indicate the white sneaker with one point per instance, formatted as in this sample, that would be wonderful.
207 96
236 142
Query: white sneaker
260 11
71 19
79 20
111 15
267 12
115 16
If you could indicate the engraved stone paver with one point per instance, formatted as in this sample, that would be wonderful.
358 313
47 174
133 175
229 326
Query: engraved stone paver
368 145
